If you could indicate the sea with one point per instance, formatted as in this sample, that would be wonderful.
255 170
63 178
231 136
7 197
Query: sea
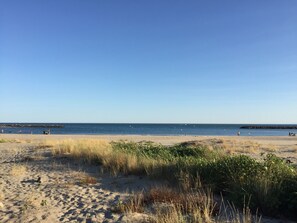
146 129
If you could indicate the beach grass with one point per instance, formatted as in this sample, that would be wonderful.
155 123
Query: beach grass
90 151
270 184
8 140
170 204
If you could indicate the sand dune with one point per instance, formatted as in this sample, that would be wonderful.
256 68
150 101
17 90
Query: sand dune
75 192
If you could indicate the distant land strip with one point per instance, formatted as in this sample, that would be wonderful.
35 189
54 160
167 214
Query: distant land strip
269 127
30 126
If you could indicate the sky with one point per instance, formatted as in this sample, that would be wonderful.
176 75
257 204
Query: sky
153 61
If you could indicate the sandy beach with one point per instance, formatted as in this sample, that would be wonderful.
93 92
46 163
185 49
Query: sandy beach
37 187
167 140
283 146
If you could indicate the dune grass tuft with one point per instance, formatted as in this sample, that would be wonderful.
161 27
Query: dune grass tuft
8 140
88 180
169 204
90 151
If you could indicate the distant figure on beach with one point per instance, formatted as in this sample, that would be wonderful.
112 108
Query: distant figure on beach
292 134
238 133
48 132
2 130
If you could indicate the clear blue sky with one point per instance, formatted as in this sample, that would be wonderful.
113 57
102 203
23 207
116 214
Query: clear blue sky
201 61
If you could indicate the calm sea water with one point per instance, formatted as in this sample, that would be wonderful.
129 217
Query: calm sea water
151 129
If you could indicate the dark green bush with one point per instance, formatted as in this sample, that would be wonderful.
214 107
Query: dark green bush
158 151
288 197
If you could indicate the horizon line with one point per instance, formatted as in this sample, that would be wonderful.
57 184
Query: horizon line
141 123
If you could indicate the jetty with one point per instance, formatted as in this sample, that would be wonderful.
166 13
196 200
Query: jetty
23 125
269 127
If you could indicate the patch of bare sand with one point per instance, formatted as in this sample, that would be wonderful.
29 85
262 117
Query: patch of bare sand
36 187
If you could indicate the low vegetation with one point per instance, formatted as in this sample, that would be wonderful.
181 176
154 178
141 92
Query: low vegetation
269 185
88 180
8 140
170 205
90 151
174 205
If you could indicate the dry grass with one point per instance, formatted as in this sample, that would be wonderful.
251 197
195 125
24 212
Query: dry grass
230 146
88 150
171 205
128 163
269 148
101 152
134 204
5 140
187 202
229 213
88 180
235 147
8 141
173 215
187 182
18 170
166 204
41 146
160 162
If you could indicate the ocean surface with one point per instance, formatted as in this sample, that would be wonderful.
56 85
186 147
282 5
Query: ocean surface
148 129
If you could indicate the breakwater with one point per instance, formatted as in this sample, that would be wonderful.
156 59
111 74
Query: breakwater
269 127
31 125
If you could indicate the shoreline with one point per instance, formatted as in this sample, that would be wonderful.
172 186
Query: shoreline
283 146
166 140
142 135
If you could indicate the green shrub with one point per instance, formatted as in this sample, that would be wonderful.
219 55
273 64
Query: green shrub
279 193
269 185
